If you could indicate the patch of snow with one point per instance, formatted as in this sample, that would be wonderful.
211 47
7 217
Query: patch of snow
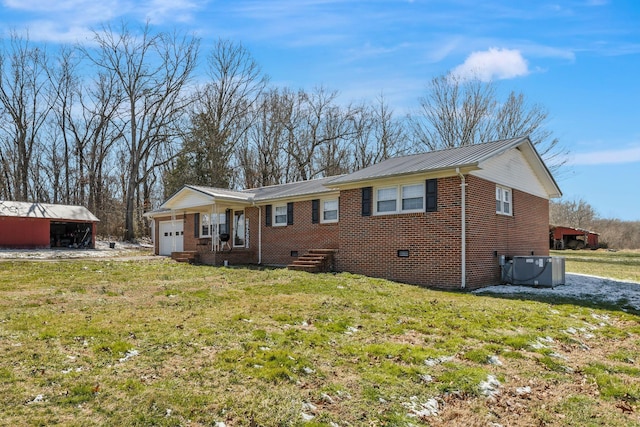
351 330
426 378
129 354
421 409
494 360
37 399
490 387
307 417
326 398
523 391
308 406
437 360
558 356
102 250
537 345
308 370
220 424
580 287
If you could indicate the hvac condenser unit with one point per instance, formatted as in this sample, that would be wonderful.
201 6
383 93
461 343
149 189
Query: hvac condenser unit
543 271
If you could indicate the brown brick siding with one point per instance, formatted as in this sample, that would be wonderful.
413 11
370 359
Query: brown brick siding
369 245
278 242
488 233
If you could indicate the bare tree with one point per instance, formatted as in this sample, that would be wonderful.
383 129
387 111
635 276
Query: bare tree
458 112
152 70
317 130
378 136
572 213
261 156
221 116
25 103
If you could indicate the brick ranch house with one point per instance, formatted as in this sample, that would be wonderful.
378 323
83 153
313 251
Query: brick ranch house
438 219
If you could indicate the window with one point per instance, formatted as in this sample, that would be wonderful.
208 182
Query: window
412 197
330 210
205 225
386 199
280 215
503 201
400 199
208 222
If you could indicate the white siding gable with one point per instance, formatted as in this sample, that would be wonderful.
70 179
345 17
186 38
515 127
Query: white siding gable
188 199
512 169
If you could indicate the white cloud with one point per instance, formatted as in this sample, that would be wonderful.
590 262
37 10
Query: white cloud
493 64
627 155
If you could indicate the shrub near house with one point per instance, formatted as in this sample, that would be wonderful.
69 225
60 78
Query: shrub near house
438 219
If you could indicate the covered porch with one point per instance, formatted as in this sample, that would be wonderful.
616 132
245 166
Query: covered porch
210 226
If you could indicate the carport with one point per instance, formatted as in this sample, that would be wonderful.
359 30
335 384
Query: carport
25 225
572 238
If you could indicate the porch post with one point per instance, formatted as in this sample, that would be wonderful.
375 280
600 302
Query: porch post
173 230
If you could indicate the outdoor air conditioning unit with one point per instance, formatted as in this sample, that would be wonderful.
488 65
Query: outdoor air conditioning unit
543 271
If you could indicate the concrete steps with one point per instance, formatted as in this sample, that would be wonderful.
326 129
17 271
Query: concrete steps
315 261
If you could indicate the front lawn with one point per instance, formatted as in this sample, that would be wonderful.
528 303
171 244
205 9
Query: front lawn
161 343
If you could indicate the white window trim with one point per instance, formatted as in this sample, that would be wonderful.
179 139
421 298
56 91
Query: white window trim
398 189
211 228
502 191
202 214
322 211
275 209
244 229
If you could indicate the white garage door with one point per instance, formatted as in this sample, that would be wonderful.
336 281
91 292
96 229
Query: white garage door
171 237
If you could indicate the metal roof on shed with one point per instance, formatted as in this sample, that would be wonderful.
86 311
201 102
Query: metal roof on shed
45 210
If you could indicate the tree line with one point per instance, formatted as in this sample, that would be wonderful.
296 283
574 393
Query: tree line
122 122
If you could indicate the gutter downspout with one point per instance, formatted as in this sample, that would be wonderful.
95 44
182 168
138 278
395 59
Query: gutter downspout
463 209
173 230
259 235
214 237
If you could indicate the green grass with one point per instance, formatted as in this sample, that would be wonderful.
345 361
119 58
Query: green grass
622 265
161 343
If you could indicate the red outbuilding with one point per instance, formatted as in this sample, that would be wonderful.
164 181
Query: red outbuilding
572 238
25 225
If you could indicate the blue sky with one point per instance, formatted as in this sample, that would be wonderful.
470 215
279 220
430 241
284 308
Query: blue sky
580 59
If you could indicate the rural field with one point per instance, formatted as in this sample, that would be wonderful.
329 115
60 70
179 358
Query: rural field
152 342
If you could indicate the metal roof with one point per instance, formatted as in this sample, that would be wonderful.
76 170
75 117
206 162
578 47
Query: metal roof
293 189
45 210
221 193
432 161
